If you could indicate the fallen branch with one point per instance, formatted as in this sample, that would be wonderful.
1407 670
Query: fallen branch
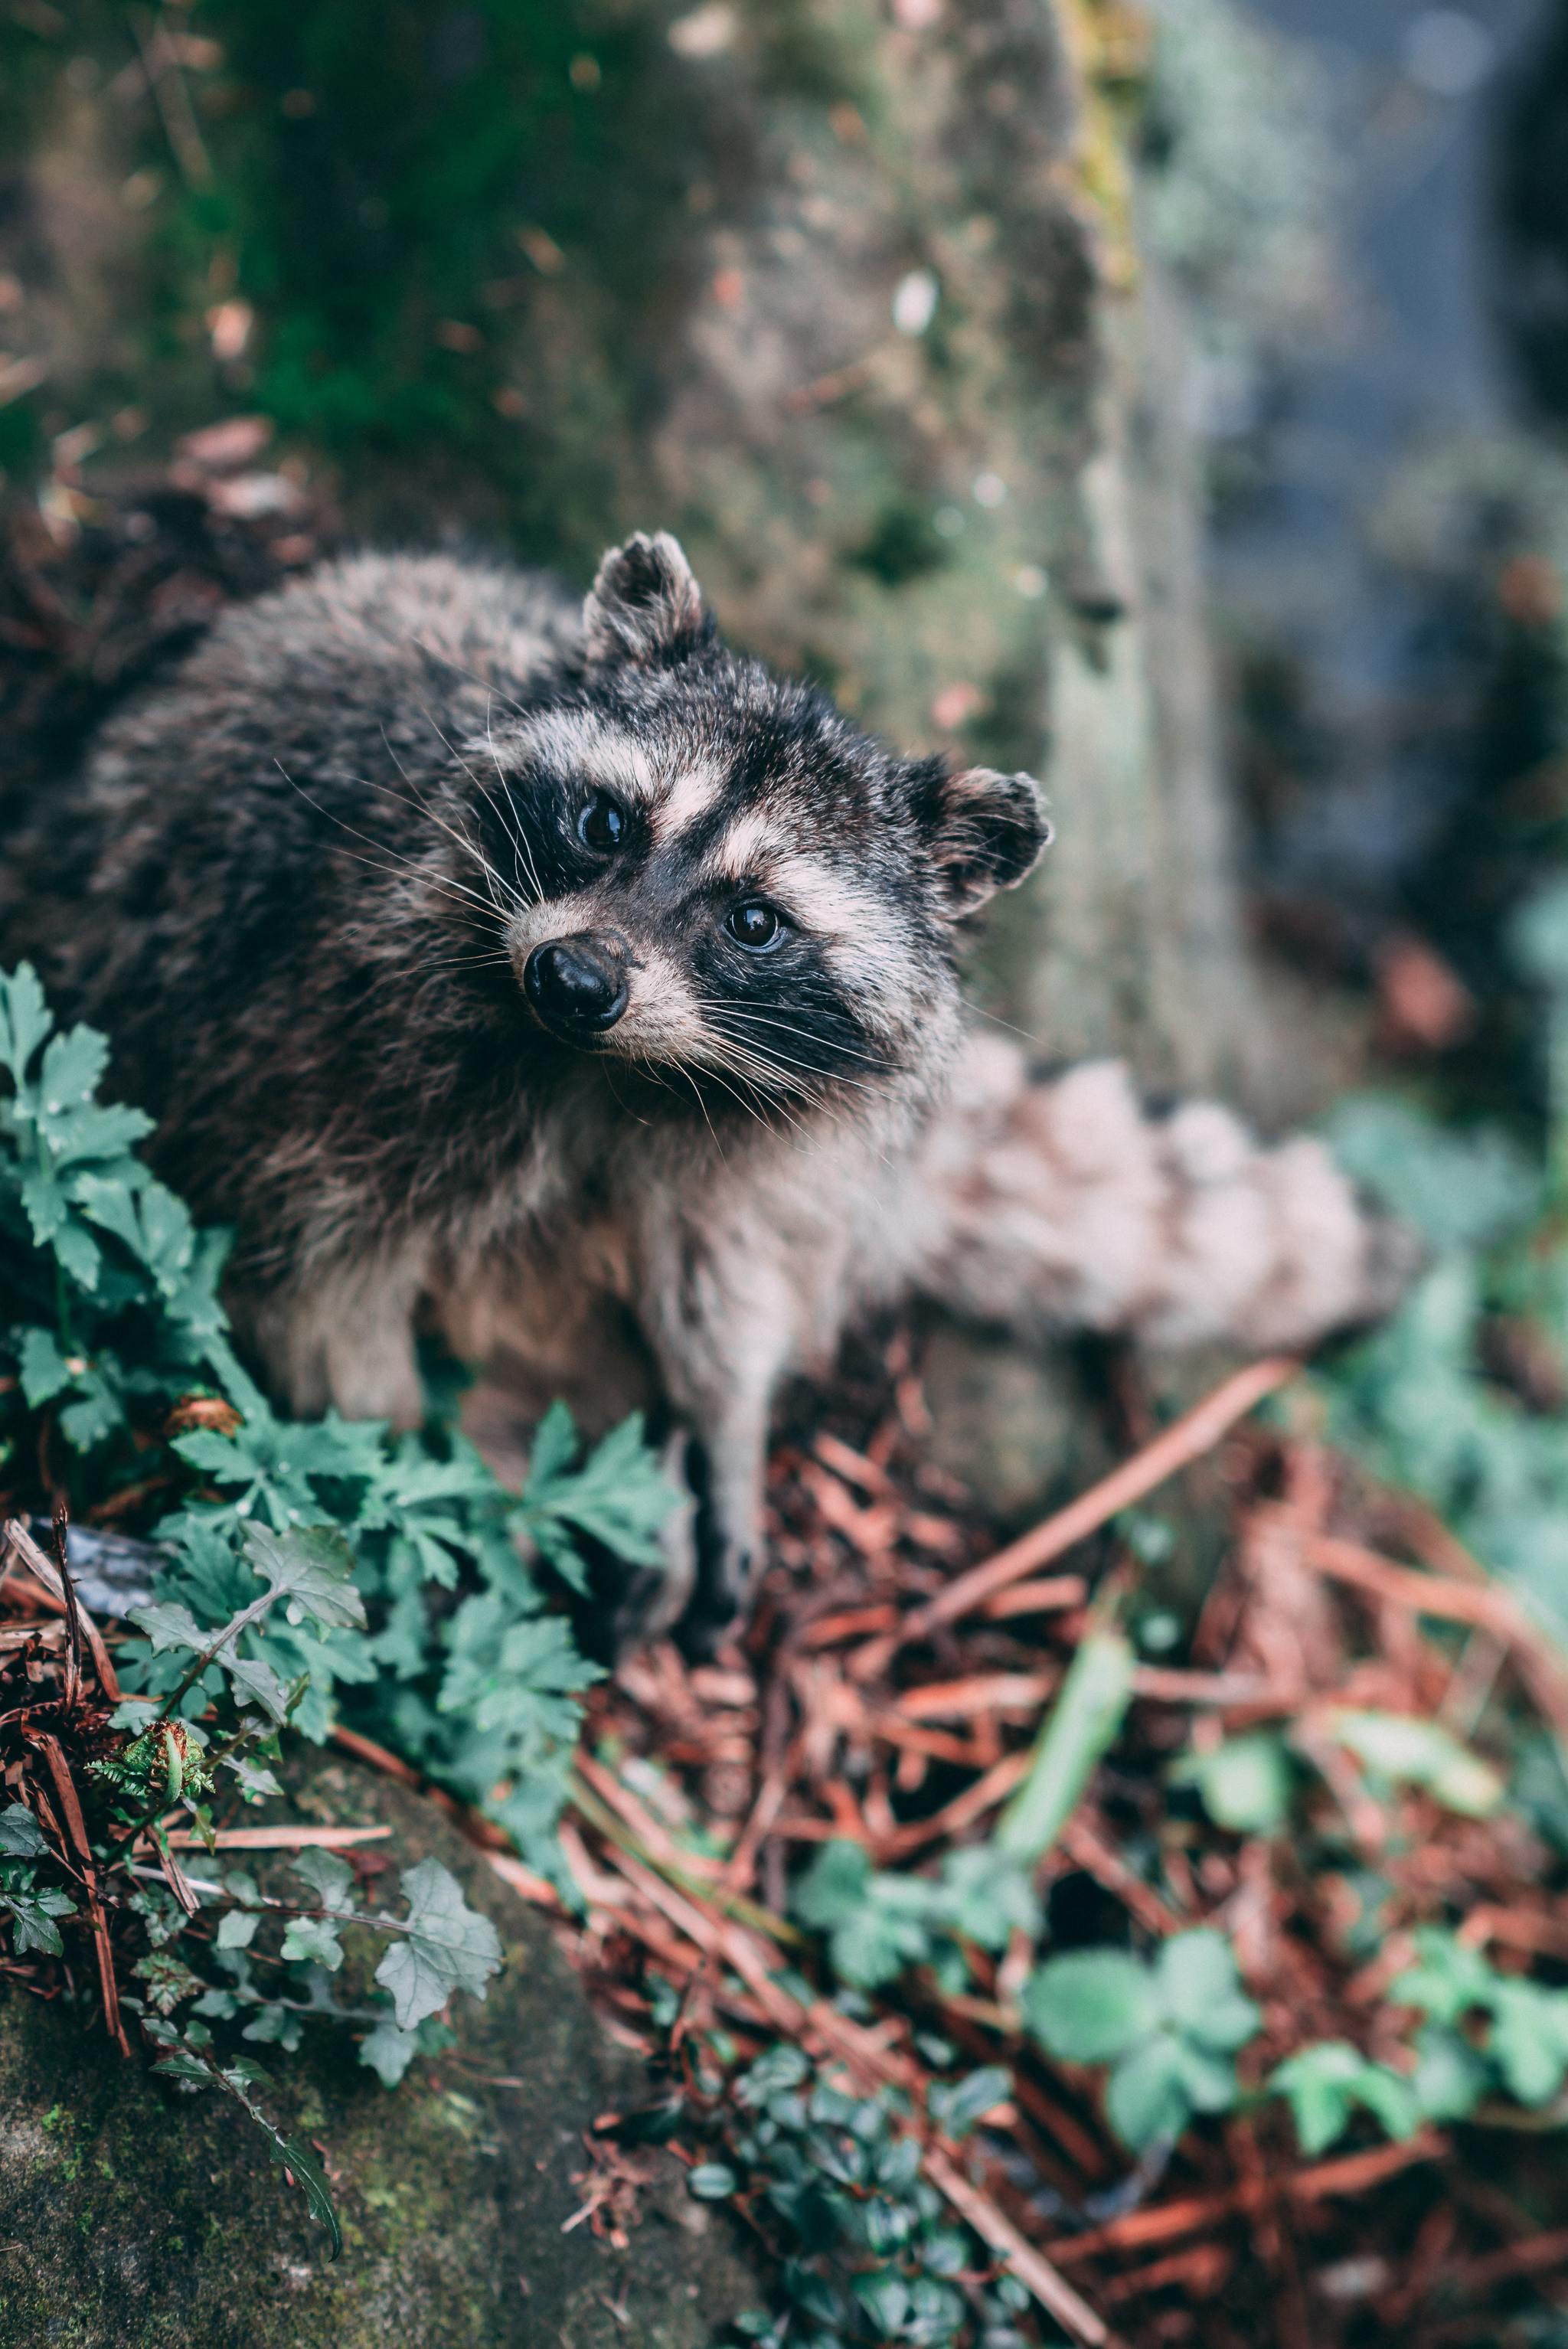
1187 1439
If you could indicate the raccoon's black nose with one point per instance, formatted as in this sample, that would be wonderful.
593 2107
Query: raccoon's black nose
575 986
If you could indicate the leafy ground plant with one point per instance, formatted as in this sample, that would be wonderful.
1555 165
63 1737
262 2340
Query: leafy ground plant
294 1568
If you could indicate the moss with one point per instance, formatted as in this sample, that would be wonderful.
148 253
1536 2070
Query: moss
135 2216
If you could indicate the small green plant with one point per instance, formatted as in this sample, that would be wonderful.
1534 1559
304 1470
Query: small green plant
1169 2028
879 1922
299 1564
870 2250
1326 2082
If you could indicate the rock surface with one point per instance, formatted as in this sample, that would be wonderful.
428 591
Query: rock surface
132 2215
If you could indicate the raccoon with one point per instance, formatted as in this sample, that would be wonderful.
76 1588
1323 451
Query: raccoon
555 974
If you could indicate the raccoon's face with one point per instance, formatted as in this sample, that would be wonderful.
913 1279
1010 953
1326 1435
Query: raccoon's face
716 875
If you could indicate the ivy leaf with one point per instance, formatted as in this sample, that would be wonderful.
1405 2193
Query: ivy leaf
313 1940
447 1946
237 1928
389 2052
33 1916
169 1980
21 1836
329 1877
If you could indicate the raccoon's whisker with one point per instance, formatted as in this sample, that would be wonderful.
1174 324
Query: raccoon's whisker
726 1008
493 880
696 1096
458 890
455 962
506 804
771 1056
452 752
1026 1035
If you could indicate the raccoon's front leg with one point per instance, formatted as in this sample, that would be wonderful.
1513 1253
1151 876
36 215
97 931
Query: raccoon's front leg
721 1313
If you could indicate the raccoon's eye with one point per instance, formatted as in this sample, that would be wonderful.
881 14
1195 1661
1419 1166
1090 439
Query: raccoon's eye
755 925
602 824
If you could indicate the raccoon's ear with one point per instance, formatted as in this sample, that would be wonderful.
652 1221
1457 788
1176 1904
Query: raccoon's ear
643 602
985 831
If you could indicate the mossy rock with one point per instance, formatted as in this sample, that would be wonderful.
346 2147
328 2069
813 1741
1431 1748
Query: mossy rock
132 2215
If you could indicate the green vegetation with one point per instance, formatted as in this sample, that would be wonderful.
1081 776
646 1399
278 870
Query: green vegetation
285 1544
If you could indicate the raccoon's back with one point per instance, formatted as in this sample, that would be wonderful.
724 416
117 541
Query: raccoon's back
187 848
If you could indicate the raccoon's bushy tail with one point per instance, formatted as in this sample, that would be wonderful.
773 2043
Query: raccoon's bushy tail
1059 1203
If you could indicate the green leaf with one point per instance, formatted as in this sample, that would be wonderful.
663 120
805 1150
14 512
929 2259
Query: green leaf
1090 2006
313 1940
329 1877
25 1019
45 1371
1081 1727
255 1682
389 2052
33 1916
237 1928
21 1836
1146 2096
169 1980
314 1565
169 1625
712 2181
189 2070
1529 2038
447 1947
1448 1979
1325 2082
1245 1782
1449 2079
1423 1754
1200 1990
298 2161
956 2105
619 1497
834 1885
256 1780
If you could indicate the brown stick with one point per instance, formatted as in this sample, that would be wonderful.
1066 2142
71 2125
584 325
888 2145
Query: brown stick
65 1786
1186 1440
1352 2173
1486 1604
1053 2292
